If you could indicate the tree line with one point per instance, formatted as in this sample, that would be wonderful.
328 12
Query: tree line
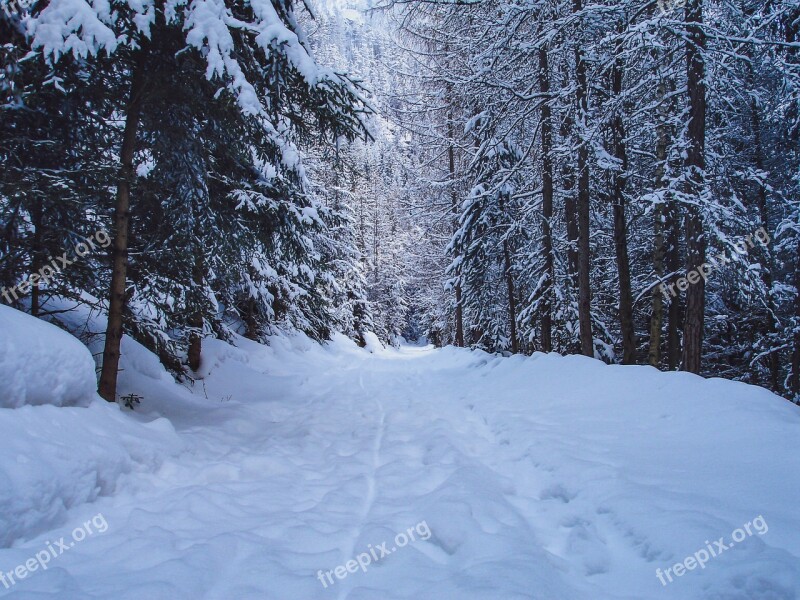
584 158
618 180
190 131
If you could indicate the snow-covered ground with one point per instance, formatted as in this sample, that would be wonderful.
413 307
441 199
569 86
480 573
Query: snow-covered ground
544 477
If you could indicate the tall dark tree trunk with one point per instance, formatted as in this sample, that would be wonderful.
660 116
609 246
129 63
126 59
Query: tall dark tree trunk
196 321
695 167
251 320
795 382
673 259
771 325
571 219
791 27
111 352
37 254
620 221
547 203
451 156
508 273
657 305
570 210
512 301
584 258
660 227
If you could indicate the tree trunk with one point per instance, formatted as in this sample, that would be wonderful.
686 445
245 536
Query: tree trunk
454 202
657 307
695 167
196 321
512 301
771 325
791 26
37 255
620 221
251 320
584 259
111 352
570 210
796 353
571 219
547 203
675 314
659 226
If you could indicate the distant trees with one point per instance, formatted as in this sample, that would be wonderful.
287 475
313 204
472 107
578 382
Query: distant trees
553 175
484 247
647 147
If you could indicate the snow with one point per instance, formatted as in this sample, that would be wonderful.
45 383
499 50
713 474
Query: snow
56 457
74 27
87 28
372 343
41 364
538 477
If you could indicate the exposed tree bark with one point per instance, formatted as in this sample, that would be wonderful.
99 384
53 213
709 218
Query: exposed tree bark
251 320
620 221
660 225
584 258
791 28
795 381
454 202
196 321
547 203
512 301
571 219
37 262
675 313
695 167
570 209
376 235
771 325
657 307
111 352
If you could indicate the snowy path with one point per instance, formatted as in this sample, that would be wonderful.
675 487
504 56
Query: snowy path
547 477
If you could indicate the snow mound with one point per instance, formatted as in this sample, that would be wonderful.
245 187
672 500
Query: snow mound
55 459
62 446
41 364
372 343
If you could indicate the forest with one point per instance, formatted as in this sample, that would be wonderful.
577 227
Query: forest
614 179
399 299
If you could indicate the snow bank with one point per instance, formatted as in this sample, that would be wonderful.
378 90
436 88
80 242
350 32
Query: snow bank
41 364
54 459
62 445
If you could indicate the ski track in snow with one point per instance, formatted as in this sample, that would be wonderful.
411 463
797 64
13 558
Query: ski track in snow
349 550
543 478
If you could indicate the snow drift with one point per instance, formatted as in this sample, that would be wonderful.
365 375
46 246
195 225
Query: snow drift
41 364
62 445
